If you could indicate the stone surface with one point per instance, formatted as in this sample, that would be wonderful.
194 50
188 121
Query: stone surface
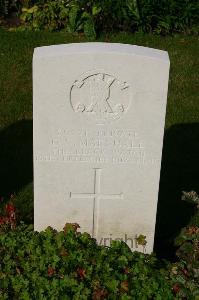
99 112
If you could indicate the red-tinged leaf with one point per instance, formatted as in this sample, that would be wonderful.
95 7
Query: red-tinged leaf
51 271
99 294
4 220
70 226
63 252
10 209
126 271
185 272
124 286
176 288
81 273
75 226
192 230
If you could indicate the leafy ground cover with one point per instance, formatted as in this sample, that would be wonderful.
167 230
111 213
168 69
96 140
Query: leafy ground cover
96 16
70 265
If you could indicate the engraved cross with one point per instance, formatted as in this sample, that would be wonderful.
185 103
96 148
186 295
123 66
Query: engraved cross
96 196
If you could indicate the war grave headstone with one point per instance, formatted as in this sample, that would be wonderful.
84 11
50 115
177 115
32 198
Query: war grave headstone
99 114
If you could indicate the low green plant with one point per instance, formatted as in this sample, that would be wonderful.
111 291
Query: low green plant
164 17
59 15
70 265
8 218
188 239
186 270
96 16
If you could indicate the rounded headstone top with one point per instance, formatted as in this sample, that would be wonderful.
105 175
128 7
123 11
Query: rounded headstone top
76 48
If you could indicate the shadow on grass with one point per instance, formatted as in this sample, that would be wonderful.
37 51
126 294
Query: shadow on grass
16 167
179 172
16 157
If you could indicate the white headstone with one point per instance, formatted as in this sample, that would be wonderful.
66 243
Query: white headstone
99 112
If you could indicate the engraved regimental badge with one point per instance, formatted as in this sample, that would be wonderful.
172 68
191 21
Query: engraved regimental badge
100 96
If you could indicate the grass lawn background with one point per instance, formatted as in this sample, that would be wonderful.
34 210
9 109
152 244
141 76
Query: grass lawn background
180 162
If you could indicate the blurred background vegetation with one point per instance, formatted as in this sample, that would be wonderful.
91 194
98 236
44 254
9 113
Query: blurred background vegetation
96 16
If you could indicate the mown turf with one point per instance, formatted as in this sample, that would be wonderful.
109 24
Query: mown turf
180 165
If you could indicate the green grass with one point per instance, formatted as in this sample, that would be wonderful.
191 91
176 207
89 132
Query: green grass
180 165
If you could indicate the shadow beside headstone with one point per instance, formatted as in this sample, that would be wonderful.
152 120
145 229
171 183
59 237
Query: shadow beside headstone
16 157
179 172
